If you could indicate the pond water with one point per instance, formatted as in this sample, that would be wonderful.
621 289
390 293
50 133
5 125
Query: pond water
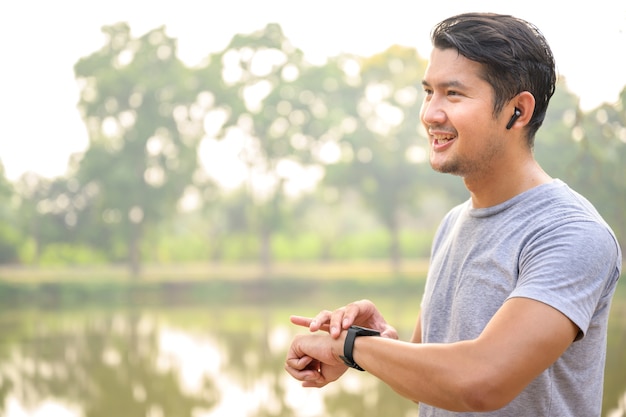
221 360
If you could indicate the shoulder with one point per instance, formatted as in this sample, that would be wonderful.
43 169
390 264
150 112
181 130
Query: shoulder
450 219
561 210
561 217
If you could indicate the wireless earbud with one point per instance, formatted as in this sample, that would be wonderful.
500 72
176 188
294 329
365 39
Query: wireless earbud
516 114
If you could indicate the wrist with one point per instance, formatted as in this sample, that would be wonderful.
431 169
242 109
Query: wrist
350 336
336 347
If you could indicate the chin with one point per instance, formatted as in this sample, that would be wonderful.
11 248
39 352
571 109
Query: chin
444 168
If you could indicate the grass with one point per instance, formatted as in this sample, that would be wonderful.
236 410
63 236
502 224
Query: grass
362 269
63 287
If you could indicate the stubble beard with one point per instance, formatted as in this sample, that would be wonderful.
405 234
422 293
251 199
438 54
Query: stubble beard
452 166
464 167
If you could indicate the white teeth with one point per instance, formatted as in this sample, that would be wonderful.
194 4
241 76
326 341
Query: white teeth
442 138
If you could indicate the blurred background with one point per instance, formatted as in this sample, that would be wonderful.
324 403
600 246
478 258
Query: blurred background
176 179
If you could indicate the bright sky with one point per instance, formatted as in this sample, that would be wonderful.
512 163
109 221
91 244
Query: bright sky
41 40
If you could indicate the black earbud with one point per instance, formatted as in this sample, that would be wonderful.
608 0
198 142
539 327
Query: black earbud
516 114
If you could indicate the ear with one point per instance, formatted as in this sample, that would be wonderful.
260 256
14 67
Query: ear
525 103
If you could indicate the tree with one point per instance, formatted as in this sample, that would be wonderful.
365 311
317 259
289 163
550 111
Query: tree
385 154
602 134
9 234
283 114
140 105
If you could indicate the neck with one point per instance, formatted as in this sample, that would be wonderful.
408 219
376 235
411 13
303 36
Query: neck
502 185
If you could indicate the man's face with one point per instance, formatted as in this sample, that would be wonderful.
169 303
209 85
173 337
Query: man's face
464 136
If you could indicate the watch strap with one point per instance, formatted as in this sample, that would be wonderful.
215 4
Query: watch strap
348 345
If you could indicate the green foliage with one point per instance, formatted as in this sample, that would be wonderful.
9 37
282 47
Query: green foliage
9 234
301 247
371 245
176 249
240 247
9 242
334 159
63 254
603 161
137 100
27 252
416 244
555 147
386 131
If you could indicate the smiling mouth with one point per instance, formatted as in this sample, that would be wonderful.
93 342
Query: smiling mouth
440 139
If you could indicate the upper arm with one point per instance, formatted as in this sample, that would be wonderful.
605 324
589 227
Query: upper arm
522 339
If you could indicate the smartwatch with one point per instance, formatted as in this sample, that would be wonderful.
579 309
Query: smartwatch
348 346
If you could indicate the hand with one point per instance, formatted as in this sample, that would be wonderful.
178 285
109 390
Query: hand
361 313
312 359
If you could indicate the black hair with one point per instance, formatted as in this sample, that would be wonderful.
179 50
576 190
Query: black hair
515 55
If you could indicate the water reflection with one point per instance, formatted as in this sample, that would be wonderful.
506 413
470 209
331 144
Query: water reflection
225 362
108 366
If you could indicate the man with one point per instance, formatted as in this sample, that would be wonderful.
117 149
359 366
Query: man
515 309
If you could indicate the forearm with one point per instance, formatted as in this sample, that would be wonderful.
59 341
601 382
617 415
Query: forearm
520 342
449 376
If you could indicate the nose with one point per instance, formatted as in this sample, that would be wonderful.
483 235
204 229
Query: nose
432 112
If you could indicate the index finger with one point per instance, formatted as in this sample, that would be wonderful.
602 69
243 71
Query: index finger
301 320
306 322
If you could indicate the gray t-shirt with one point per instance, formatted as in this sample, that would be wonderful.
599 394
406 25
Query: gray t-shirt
547 244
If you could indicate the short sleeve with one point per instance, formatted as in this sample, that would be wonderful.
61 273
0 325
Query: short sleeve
573 267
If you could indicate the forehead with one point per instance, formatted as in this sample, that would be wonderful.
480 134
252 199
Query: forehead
448 67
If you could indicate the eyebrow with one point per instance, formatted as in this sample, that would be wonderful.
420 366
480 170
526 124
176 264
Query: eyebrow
447 84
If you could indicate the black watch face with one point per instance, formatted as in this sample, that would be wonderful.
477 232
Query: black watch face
363 331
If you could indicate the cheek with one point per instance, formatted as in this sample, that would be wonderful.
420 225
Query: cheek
473 124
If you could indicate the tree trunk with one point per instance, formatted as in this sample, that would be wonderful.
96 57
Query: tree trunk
37 237
394 250
134 250
266 253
